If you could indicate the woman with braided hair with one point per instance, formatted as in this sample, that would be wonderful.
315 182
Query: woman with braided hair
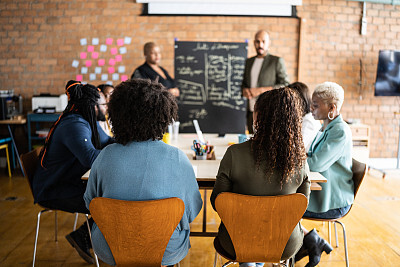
271 163
70 148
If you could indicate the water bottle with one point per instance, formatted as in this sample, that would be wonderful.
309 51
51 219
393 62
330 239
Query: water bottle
21 105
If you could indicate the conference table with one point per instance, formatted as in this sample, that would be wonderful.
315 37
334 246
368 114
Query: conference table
206 170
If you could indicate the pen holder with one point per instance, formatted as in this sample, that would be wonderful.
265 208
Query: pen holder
201 157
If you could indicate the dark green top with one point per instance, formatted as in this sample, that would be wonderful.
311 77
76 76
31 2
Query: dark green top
238 174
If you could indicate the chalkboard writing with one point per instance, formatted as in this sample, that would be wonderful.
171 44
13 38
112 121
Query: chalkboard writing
209 76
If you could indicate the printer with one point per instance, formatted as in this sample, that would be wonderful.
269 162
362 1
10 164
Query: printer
47 103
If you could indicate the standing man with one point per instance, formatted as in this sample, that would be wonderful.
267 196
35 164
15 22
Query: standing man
262 73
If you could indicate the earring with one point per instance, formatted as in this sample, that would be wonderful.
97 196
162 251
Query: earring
329 117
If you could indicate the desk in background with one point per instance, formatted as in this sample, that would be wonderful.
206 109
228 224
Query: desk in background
38 117
19 121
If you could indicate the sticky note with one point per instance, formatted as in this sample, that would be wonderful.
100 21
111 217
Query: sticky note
115 76
114 51
103 48
79 77
120 42
122 50
109 82
95 41
90 48
84 70
92 76
75 63
111 62
121 69
127 40
83 41
101 62
95 55
109 41
83 55
104 77
97 70
88 63
111 70
118 58
124 78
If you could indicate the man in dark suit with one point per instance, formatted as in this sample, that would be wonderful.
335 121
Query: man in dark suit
262 72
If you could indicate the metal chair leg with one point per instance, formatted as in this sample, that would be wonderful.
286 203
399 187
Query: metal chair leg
55 225
90 235
345 243
215 259
336 235
76 220
37 235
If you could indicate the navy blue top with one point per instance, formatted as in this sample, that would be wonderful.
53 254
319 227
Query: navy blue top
146 72
69 155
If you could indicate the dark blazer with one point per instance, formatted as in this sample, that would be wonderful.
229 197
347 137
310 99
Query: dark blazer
146 72
238 174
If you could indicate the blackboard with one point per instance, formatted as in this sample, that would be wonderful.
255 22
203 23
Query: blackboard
209 76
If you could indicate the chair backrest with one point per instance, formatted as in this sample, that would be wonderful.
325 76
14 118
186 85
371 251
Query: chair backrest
29 162
137 232
260 226
359 169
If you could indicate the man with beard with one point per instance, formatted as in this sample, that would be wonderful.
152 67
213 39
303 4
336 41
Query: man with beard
262 73
101 114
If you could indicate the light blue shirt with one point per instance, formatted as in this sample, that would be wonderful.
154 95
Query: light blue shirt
145 171
331 156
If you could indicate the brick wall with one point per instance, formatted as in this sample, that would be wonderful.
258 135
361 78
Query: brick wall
41 39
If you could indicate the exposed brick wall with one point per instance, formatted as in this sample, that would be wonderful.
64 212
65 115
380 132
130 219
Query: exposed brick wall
39 41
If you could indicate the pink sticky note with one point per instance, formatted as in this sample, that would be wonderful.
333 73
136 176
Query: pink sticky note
111 70
124 78
83 55
109 41
79 77
90 48
101 62
95 55
111 62
120 42
88 63
118 58
114 51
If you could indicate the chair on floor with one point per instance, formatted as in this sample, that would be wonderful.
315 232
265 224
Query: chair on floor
137 232
263 238
359 170
5 146
29 162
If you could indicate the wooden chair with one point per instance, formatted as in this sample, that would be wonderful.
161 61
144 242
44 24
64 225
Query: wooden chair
137 232
5 146
29 163
359 170
259 226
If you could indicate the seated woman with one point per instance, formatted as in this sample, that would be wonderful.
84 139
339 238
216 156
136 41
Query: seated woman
152 70
262 166
142 167
329 154
310 126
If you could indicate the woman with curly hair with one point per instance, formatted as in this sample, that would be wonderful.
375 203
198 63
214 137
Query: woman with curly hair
271 163
142 167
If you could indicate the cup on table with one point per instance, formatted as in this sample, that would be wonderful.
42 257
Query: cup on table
242 138
175 129
201 157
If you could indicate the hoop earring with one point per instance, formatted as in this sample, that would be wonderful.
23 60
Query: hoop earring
329 116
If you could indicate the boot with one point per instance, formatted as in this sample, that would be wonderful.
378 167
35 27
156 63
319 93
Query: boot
301 253
80 240
315 246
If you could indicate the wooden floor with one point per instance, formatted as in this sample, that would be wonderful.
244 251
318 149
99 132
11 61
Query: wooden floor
373 229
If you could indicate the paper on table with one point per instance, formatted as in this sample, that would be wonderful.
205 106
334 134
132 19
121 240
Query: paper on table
195 170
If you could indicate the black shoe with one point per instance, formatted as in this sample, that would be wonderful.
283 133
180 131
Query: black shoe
301 253
315 246
81 242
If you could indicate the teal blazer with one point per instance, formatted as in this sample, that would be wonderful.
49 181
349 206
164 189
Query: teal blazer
331 156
